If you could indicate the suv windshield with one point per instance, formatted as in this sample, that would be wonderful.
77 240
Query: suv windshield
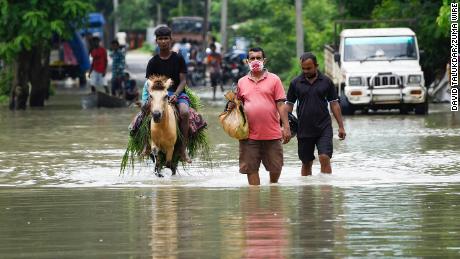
379 48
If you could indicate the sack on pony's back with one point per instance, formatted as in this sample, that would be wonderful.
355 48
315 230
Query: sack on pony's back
234 121
196 122
137 120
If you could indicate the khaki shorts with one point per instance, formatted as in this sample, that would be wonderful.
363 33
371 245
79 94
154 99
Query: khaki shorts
252 152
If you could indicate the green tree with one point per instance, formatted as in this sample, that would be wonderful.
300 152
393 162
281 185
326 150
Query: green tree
137 14
443 20
271 25
431 37
26 28
356 9
134 14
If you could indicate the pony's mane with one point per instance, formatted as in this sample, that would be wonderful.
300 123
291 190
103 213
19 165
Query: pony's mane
158 82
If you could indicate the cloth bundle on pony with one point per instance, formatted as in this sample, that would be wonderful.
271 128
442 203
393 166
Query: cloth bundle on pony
154 131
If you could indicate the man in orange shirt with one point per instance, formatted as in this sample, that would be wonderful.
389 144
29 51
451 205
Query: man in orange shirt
214 62
263 97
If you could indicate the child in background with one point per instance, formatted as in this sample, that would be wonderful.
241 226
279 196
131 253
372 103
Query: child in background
130 91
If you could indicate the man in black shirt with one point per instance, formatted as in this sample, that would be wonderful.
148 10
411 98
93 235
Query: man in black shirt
314 91
172 65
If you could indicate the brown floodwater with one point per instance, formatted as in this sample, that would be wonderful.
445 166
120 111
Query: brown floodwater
395 191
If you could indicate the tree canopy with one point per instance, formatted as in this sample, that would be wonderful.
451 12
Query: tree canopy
26 29
29 23
271 25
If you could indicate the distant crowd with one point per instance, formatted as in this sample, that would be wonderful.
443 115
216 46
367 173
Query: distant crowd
201 64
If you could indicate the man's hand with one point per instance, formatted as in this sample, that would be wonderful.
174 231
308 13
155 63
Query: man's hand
230 106
342 133
173 98
286 135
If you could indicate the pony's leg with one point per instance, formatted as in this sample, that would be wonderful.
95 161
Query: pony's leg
153 157
173 168
156 162
153 153
157 170
169 163
169 155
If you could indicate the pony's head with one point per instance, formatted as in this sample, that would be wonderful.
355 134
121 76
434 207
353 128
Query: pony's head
158 91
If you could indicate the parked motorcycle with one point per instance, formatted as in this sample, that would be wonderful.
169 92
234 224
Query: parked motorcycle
233 67
196 73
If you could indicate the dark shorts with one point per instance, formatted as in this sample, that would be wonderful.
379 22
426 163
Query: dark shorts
306 146
131 97
116 85
252 152
215 79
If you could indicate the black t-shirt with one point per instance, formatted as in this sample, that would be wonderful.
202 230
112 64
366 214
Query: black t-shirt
171 67
312 112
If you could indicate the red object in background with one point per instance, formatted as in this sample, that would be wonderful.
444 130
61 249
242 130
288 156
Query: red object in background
140 40
99 59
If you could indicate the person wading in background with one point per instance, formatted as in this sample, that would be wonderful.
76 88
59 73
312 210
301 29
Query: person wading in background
314 91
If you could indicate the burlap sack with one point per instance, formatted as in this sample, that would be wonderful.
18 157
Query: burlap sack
196 122
234 121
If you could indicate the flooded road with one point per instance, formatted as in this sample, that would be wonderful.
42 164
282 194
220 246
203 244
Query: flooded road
394 191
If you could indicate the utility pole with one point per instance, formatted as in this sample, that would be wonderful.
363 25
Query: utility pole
115 20
159 18
299 28
223 25
181 8
207 7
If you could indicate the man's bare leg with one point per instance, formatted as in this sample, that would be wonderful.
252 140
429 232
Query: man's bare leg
325 162
274 176
253 178
306 168
184 126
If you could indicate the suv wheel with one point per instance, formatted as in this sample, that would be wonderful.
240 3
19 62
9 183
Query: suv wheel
346 106
421 109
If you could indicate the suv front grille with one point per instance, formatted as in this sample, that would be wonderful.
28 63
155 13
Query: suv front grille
385 80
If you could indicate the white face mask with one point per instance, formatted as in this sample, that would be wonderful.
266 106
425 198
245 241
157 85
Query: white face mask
256 66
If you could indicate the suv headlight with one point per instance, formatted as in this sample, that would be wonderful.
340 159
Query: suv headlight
414 79
354 81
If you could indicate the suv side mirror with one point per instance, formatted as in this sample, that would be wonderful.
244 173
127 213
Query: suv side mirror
421 52
337 57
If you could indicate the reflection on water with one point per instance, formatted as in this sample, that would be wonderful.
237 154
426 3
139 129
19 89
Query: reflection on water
267 222
321 230
264 222
394 192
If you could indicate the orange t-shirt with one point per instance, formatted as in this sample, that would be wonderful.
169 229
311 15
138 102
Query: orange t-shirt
214 61
259 99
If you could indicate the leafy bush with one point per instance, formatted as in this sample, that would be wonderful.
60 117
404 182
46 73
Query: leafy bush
147 47
6 79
